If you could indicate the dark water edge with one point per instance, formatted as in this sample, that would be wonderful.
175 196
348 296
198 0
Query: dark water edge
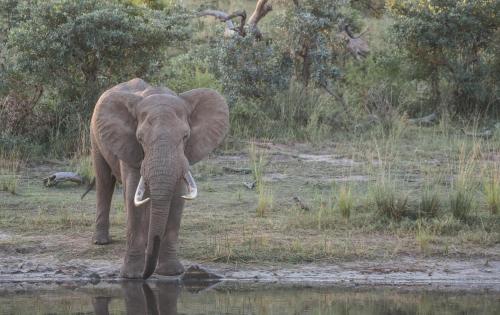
138 297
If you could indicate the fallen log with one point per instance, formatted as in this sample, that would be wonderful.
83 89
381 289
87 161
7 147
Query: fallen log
59 177
228 169
487 134
425 121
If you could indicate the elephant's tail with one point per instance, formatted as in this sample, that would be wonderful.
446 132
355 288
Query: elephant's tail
89 188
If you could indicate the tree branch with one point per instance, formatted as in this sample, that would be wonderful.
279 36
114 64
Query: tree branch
357 46
261 10
224 17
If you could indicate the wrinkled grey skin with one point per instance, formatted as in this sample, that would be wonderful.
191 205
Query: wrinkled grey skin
138 130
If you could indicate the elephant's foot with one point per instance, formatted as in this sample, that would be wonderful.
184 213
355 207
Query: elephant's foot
171 267
101 238
133 267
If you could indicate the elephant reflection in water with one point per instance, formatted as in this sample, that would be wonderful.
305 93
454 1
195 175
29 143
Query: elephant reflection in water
140 299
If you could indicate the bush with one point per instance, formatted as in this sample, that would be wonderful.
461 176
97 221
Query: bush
249 69
453 42
73 50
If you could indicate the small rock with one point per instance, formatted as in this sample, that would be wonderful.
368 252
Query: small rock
94 278
197 273
249 185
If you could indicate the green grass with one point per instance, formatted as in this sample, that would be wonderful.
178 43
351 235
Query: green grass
10 163
345 203
492 192
381 196
429 203
388 201
258 160
461 204
83 166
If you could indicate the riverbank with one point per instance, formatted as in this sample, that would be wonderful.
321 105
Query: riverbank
374 209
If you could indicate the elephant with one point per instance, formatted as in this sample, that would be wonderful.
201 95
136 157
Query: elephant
146 138
139 298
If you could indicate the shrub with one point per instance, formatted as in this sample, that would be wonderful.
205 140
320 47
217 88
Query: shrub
249 69
451 41
73 50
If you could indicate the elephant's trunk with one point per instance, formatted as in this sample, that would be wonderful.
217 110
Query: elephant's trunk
162 182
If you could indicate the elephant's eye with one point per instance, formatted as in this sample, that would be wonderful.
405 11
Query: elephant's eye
186 136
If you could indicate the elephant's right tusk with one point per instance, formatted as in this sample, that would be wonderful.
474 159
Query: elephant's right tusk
139 194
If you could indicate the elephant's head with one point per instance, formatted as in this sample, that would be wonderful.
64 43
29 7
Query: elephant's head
162 134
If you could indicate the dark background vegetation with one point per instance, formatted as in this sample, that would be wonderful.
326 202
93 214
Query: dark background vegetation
299 82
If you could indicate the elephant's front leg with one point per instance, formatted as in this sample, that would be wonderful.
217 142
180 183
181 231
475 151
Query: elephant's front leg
169 264
105 185
137 224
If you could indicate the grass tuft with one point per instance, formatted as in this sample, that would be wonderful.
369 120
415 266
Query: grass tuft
10 163
83 166
492 193
461 203
345 202
429 204
463 188
423 236
389 203
265 201
258 160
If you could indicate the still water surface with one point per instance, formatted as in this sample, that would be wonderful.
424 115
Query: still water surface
173 298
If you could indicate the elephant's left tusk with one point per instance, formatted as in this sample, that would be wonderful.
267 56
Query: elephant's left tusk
191 186
139 194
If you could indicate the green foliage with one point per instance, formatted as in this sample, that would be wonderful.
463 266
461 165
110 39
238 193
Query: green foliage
297 113
72 50
77 48
451 41
185 72
249 69
310 39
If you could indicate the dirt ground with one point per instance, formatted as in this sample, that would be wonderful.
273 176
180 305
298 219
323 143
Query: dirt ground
45 233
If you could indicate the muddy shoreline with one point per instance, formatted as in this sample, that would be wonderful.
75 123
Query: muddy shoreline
404 273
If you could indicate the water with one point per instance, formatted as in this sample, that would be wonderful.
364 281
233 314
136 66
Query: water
234 298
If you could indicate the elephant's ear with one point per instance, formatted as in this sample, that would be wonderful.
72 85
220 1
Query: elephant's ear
209 121
114 121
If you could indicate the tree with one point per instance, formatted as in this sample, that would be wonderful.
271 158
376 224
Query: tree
451 41
303 43
74 50
79 47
